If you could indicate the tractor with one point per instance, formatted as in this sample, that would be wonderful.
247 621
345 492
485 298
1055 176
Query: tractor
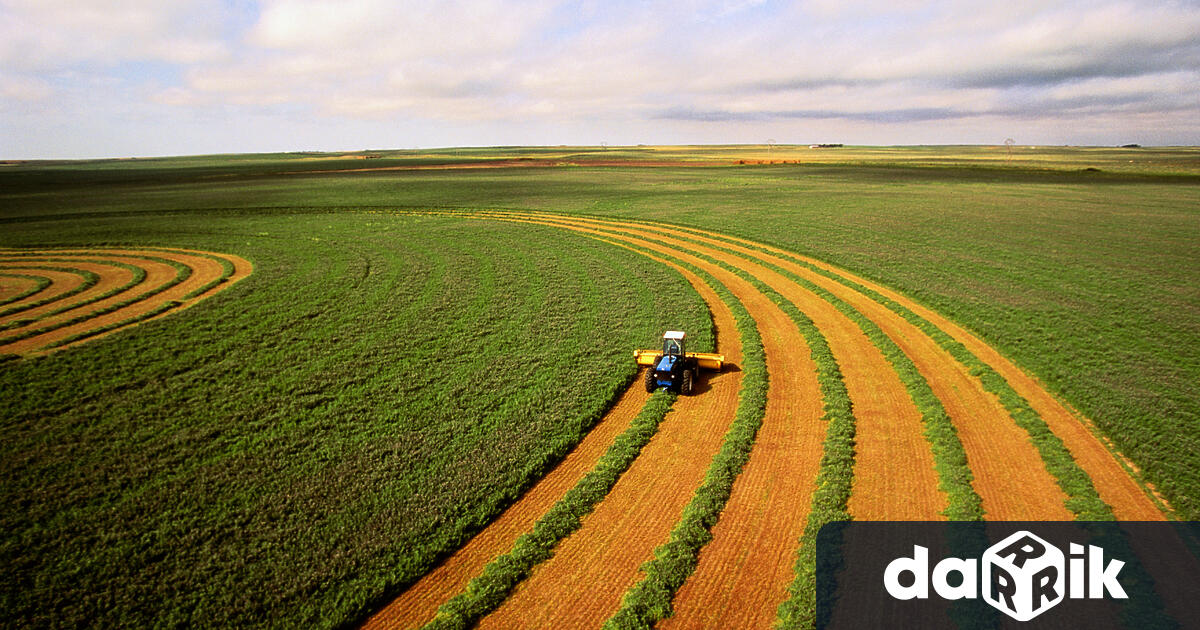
674 368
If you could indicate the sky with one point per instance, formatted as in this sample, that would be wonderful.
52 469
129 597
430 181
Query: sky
121 78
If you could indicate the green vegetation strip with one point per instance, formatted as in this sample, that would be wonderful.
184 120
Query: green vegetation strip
40 284
89 280
182 273
650 599
950 459
835 476
1083 500
159 310
486 592
227 268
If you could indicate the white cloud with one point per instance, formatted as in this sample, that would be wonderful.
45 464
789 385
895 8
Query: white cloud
494 67
52 34
23 88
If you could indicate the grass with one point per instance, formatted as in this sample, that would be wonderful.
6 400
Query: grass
487 591
182 273
650 599
257 431
283 455
950 459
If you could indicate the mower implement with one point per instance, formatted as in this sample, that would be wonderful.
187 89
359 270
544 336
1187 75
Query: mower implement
673 367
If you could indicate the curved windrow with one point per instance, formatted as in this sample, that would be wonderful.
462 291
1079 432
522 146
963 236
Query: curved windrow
912 428
55 298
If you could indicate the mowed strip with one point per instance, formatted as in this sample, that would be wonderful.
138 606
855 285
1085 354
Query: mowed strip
115 286
889 427
768 508
583 583
170 277
419 602
111 277
1010 476
1115 485
62 281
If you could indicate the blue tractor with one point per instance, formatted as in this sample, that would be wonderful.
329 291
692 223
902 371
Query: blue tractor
673 367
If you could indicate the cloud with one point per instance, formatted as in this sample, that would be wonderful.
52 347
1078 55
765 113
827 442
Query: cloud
48 35
695 67
21 88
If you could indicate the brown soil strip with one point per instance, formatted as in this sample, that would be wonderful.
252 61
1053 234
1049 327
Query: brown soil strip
111 277
417 605
768 509
1010 476
583 583
158 274
60 282
889 427
1115 485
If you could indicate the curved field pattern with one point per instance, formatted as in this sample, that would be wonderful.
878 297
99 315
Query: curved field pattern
905 373
56 298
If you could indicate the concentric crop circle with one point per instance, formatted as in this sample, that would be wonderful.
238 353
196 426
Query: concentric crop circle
55 298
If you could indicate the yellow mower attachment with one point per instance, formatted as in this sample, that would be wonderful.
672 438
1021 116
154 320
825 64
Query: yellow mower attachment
673 367
706 360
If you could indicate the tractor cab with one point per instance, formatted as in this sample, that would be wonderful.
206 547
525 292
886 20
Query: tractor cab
673 343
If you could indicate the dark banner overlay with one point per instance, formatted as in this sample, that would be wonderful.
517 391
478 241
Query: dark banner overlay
1020 575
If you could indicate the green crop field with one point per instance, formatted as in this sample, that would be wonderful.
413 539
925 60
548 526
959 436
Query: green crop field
300 447
368 397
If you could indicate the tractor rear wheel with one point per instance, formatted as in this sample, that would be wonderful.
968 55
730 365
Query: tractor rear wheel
650 380
685 384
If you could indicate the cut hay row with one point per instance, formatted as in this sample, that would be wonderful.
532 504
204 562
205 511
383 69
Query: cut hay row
63 283
999 451
889 422
773 491
1081 460
721 595
933 397
583 583
93 292
419 603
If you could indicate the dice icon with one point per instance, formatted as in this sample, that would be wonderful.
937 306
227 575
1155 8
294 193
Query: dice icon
1023 576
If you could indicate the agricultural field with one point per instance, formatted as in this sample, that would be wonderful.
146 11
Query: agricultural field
397 390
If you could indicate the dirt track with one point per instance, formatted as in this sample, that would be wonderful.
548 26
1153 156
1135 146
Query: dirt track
117 300
742 574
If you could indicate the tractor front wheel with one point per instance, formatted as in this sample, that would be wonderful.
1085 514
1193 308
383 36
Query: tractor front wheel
650 380
685 384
